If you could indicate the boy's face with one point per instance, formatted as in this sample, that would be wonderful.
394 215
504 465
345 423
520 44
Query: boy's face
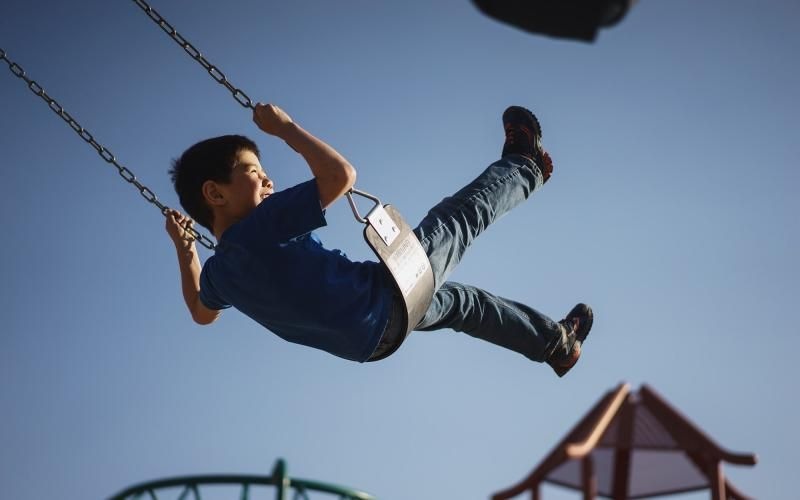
248 187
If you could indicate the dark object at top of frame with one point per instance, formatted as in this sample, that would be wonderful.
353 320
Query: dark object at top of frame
574 19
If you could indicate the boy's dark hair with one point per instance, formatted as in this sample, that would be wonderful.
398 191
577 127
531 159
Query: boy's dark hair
209 160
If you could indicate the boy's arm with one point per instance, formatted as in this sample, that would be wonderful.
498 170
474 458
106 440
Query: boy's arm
334 174
189 264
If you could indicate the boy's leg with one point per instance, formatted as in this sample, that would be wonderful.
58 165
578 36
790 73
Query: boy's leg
510 324
501 321
454 223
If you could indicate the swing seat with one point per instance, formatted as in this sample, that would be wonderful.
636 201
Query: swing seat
399 250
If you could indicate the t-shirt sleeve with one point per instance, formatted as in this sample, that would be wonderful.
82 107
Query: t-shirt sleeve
289 213
207 293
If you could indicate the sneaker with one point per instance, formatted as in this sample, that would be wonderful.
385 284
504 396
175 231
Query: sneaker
576 328
524 137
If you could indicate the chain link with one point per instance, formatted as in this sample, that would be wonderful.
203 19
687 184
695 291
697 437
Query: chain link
104 153
195 54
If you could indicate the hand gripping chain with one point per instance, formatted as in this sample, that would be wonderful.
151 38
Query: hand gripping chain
104 153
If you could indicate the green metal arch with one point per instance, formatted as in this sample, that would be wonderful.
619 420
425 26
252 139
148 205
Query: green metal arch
284 485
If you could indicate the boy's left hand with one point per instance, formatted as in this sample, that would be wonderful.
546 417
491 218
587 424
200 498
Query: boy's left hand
176 228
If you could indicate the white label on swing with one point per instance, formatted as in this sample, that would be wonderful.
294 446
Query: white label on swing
380 221
408 263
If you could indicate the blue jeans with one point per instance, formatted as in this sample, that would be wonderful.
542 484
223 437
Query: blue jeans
448 230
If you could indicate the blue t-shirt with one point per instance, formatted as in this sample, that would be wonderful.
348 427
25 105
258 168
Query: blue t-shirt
274 269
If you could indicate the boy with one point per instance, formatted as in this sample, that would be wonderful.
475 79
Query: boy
269 264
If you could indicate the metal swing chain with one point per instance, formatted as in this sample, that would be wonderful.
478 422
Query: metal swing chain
104 153
220 78
190 49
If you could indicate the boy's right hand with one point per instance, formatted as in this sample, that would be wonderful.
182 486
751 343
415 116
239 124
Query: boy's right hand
176 228
271 119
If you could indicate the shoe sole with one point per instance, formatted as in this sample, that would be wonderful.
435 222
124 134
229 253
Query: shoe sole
586 316
537 127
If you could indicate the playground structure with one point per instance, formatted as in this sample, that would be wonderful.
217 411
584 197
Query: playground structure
629 445
634 445
190 487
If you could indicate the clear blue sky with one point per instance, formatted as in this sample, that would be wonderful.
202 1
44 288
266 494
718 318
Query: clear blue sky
672 211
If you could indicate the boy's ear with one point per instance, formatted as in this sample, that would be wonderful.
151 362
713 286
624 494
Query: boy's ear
212 193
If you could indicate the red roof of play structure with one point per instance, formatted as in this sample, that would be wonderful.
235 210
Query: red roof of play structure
634 445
